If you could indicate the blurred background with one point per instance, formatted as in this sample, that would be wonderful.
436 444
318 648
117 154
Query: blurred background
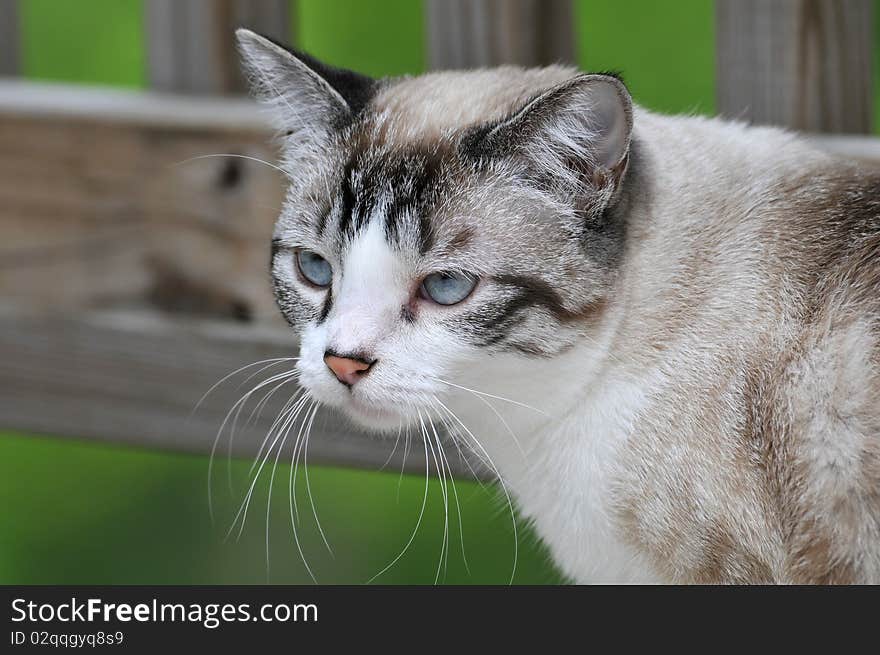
133 267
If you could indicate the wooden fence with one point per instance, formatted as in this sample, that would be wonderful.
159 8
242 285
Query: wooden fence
131 282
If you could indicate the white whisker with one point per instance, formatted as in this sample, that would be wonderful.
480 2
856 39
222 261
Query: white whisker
269 496
403 462
236 372
418 522
504 422
281 416
233 154
235 409
442 476
454 494
394 448
500 481
489 395
292 495
459 438
256 412
309 484
243 509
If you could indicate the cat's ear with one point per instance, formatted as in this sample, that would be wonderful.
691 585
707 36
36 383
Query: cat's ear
577 133
307 98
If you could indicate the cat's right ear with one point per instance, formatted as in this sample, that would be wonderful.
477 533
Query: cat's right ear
308 99
575 137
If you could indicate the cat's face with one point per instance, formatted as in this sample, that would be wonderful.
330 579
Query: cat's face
423 244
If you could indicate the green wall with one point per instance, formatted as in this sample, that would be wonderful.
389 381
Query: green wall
357 35
91 41
664 50
79 513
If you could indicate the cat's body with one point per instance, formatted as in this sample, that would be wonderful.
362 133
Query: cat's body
692 305
732 432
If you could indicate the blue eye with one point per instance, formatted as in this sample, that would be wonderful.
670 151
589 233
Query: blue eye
314 268
448 288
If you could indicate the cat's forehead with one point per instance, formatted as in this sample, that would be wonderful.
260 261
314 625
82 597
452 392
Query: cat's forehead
398 185
432 204
432 104
400 166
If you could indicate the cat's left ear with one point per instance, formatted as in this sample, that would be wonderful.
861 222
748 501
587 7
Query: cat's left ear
575 136
306 96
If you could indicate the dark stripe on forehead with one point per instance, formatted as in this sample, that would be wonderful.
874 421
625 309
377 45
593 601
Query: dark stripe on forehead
404 184
426 234
426 191
368 192
361 189
322 222
401 204
346 200
392 224
403 201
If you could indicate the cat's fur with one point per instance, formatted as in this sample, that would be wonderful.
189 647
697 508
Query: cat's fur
693 305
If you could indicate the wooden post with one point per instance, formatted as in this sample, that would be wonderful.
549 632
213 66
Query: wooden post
477 33
9 42
804 64
191 48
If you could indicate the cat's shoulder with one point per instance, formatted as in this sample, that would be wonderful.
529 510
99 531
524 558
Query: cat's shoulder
821 418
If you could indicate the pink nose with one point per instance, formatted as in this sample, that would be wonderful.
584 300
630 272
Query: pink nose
347 370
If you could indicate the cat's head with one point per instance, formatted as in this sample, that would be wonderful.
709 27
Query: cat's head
440 225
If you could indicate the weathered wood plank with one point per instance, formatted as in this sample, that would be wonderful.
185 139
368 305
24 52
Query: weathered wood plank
479 33
135 378
100 211
9 41
27 99
863 148
805 64
190 45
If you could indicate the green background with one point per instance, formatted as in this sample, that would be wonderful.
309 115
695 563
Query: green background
79 512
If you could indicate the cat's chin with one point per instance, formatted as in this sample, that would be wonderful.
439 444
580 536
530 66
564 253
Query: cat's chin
372 418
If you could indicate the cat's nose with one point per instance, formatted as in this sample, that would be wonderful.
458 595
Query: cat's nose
347 369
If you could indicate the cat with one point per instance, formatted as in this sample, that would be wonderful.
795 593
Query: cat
663 332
